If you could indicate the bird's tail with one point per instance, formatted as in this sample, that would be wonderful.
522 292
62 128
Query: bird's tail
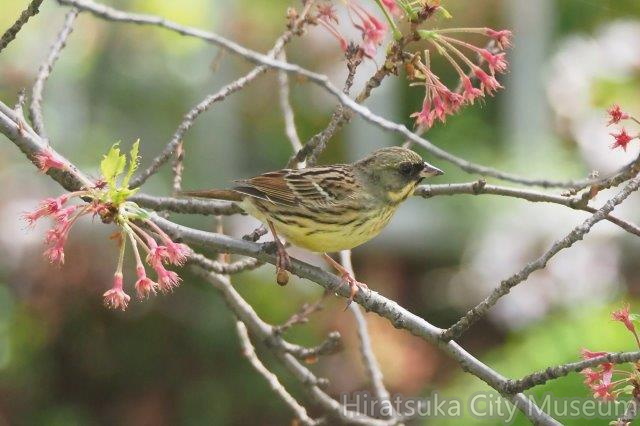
218 194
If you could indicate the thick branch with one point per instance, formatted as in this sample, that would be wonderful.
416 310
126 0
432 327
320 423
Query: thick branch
187 205
398 316
505 286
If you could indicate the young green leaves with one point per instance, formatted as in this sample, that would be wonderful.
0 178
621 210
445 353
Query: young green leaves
113 166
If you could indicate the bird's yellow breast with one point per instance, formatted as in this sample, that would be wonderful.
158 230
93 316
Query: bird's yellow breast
350 230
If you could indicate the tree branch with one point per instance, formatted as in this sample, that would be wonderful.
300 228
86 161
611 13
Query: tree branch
541 377
249 352
35 106
190 117
368 356
320 80
505 286
10 34
480 187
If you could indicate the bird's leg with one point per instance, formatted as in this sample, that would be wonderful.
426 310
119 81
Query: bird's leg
354 285
283 262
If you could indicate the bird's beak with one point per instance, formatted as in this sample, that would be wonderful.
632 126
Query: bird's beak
429 170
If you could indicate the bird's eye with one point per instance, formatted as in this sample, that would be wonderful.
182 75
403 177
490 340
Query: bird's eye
406 169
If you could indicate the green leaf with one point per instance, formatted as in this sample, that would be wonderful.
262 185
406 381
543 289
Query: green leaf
112 165
134 161
444 12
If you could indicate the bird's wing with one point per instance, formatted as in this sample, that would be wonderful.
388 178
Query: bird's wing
312 186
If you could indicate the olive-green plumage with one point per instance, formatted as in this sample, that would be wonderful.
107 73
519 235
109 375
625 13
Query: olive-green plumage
331 208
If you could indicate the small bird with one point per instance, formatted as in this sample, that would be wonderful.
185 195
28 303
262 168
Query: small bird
329 208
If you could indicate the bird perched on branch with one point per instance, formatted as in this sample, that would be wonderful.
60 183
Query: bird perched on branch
329 208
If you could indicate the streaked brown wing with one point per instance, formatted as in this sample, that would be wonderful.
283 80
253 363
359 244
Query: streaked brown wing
315 186
323 185
270 186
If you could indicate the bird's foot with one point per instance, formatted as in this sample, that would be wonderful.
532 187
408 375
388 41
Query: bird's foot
283 262
354 286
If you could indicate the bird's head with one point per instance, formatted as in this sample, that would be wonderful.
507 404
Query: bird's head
393 173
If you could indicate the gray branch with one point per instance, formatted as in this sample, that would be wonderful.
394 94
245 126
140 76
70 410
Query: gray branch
505 286
250 353
542 377
480 187
368 356
321 80
10 34
35 107
190 117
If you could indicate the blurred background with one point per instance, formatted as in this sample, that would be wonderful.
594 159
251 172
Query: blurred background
174 359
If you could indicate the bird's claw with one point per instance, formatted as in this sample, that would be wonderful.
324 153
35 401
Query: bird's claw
354 286
283 262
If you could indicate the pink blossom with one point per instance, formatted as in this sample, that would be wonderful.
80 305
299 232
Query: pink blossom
496 62
116 298
327 12
425 117
373 30
587 354
63 215
47 207
616 114
392 7
622 139
470 93
55 254
591 376
622 315
503 37
177 253
144 285
167 280
603 392
157 254
488 82
47 159
328 19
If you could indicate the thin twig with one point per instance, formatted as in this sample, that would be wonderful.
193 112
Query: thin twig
35 107
249 352
368 356
177 168
30 144
480 187
9 35
264 332
302 315
542 377
243 265
320 80
505 286
285 105
190 117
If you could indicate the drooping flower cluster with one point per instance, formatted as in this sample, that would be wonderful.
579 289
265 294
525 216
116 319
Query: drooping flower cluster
622 138
477 67
372 29
439 100
600 379
107 199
